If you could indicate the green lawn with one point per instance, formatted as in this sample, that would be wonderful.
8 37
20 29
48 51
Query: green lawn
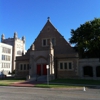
7 82
69 83
57 86
57 83
77 81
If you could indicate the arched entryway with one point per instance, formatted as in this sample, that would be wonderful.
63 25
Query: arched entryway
98 71
88 71
41 63
41 69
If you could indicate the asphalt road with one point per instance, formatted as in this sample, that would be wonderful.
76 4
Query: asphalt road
31 93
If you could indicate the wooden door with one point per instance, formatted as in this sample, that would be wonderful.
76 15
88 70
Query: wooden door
44 70
38 69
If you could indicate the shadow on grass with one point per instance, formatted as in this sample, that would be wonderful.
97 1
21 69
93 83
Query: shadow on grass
77 81
57 86
92 84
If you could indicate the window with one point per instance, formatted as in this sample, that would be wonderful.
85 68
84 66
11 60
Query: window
21 67
65 65
24 66
8 65
61 65
70 65
53 41
2 57
46 41
6 57
5 65
6 50
9 51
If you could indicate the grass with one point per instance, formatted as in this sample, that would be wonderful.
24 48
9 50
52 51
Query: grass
57 83
69 83
77 81
7 82
57 86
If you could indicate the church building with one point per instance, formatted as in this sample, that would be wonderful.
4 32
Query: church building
49 49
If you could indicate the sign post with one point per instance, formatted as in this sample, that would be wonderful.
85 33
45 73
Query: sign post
47 66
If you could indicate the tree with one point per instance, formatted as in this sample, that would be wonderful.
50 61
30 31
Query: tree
87 39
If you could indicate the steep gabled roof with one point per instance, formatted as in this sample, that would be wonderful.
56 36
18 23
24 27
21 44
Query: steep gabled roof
48 23
49 31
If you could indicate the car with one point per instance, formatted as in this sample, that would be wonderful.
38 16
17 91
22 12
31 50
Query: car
2 76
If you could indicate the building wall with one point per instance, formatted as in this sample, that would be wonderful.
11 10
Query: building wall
62 50
63 62
43 57
61 46
93 63
18 47
40 53
68 71
5 58
22 69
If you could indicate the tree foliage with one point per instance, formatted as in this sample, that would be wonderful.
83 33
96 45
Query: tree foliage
87 38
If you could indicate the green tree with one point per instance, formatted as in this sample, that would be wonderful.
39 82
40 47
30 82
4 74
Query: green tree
86 39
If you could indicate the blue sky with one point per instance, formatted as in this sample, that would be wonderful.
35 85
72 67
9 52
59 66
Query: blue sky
27 17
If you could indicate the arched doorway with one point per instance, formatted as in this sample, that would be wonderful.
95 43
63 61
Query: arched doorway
98 71
41 63
41 69
88 71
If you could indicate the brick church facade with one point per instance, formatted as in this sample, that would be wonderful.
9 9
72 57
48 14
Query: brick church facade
50 48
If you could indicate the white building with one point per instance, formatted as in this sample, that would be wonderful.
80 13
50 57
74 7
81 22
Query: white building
5 58
18 47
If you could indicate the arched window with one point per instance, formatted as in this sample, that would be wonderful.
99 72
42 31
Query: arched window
88 71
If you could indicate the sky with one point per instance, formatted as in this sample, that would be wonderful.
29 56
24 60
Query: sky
28 17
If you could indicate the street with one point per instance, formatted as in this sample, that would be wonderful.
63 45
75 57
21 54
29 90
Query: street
32 93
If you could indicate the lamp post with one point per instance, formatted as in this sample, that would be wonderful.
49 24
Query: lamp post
47 66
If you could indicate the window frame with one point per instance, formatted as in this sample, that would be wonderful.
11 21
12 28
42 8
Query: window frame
43 42
46 40
6 50
24 67
63 65
21 67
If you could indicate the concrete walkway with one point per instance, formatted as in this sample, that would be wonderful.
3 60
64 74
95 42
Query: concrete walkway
26 84
33 83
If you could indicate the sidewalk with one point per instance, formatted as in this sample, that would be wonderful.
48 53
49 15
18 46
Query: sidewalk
26 84
33 83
